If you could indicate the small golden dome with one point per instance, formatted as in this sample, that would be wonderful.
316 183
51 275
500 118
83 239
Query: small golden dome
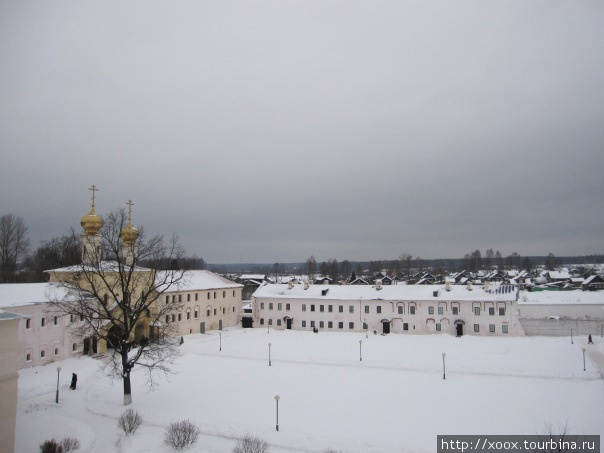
129 234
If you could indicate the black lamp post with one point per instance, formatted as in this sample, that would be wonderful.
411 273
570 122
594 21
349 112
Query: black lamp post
58 373
269 354
444 375
220 336
571 336
277 398
360 350
583 359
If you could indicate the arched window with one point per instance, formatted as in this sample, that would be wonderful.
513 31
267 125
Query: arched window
74 347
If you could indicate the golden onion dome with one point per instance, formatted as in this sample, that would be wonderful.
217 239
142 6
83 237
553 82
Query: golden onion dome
92 223
129 234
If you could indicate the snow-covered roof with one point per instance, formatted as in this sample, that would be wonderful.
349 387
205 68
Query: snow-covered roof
104 266
562 297
19 294
203 280
8 316
387 292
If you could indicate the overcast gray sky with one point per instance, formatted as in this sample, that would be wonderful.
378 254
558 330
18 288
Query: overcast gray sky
267 131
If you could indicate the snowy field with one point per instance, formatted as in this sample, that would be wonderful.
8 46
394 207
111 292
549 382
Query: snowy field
394 400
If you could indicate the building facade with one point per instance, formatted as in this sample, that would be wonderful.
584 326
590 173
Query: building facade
9 378
205 301
42 338
404 309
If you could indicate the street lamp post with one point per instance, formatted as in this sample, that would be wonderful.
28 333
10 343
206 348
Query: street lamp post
269 354
360 350
58 373
444 375
277 398
220 336
583 359
571 336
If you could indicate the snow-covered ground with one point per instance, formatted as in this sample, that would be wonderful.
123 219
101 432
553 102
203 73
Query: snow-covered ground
394 400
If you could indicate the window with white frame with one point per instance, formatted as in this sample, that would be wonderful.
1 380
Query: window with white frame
441 310
477 311
501 311
430 310
455 310
438 327
504 328
491 311
492 328
476 328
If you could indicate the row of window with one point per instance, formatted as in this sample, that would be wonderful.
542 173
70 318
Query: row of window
178 316
55 321
378 309
211 295
330 325
28 356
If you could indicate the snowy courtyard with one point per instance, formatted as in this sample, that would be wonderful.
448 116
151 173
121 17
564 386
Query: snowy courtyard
393 400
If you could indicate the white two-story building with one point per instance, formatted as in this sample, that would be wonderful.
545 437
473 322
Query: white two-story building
405 309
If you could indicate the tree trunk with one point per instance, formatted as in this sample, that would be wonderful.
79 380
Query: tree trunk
127 389
126 376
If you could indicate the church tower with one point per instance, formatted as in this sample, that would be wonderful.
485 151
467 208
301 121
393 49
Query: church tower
129 236
91 239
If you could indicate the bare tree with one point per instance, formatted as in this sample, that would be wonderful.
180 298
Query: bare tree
405 259
311 267
58 252
14 245
120 302
345 269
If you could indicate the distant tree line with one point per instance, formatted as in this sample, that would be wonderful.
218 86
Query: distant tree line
20 264
407 265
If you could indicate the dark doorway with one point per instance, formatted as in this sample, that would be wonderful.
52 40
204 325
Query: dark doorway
459 329
289 323
247 323
86 346
220 324
385 327
113 337
94 345
202 327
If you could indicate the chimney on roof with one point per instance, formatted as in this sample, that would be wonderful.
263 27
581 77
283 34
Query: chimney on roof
306 285
448 285
290 285
469 287
378 284
486 285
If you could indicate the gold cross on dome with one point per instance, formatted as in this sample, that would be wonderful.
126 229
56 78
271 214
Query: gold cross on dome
93 189
130 204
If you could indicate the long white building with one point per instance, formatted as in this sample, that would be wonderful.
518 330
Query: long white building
405 309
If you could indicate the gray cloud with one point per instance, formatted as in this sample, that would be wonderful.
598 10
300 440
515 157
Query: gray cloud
269 131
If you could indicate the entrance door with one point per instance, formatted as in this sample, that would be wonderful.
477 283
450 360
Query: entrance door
385 327
459 328
289 323
220 324
202 327
86 346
